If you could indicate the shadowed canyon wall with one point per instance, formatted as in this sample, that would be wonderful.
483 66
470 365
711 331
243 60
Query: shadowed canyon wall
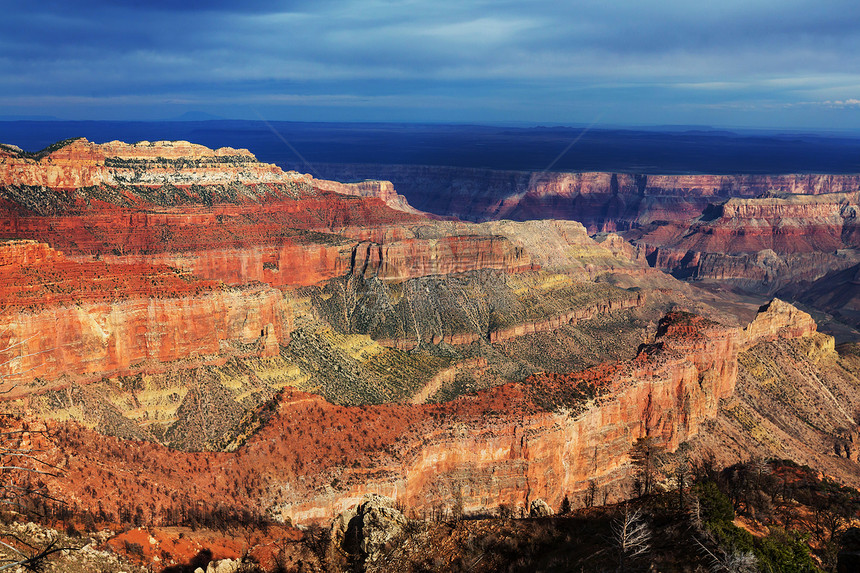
760 244
601 201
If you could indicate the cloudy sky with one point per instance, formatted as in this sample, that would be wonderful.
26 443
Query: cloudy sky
780 63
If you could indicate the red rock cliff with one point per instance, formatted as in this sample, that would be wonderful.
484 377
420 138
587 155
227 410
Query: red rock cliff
545 437
89 318
222 215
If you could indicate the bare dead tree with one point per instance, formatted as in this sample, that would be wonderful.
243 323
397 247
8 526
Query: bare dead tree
678 468
591 493
719 560
728 561
631 537
646 455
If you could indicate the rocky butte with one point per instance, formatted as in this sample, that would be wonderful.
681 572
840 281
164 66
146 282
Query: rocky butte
761 244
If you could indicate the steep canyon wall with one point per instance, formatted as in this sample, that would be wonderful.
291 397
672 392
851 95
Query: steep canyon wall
601 201
543 438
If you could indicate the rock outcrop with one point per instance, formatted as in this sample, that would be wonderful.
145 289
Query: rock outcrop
177 258
383 190
540 508
367 530
778 319
762 233
77 164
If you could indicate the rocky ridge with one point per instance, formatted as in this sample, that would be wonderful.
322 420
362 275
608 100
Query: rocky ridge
543 438
77 164
203 283
199 302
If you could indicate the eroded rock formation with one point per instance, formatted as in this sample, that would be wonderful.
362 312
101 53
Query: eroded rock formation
89 318
153 259
761 244
543 438
178 258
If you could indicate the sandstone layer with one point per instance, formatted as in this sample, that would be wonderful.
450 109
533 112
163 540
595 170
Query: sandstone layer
170 248
61 317
222 215
77 163
216 281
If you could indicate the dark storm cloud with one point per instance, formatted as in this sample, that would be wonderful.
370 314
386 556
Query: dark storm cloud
637 61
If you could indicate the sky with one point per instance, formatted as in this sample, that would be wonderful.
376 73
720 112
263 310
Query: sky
734 63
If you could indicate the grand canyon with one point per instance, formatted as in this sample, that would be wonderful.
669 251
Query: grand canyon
210 361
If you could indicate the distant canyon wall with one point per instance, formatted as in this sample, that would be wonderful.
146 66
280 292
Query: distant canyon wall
761 244
601 201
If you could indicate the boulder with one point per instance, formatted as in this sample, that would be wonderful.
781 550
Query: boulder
368 529
539 508
223 566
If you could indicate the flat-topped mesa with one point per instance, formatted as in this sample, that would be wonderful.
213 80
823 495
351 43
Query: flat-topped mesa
89 318
786 224
789 206
778 319
555 246
78 164
158 150
693 186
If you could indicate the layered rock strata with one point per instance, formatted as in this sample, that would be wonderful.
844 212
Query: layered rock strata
543 438
601 201
90 318
123 213
221 214
762 244
79 164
